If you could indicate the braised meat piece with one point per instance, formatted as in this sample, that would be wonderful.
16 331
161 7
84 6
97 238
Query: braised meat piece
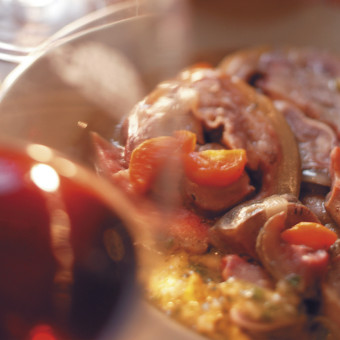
305 77
332 203
315 140
224 110
233 266
305 81
216 200
167 109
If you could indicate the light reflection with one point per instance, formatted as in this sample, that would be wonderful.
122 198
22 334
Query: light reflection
166 285
66 167
45 177
82 124
10 180
40 153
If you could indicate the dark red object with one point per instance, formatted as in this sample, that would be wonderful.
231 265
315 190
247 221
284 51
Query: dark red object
31 292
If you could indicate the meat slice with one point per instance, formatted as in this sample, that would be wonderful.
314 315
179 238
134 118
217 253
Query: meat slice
246 120
315 140
226 111
315 201
301 81
214 200
167 109
233 266
306 77
108 157
332 203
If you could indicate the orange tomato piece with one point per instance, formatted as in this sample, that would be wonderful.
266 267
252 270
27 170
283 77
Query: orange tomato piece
148 158
311 234
186 139
215 167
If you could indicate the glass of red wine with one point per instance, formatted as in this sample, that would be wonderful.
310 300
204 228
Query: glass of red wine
67 261
25 24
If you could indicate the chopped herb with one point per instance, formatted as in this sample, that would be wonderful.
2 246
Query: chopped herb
257 294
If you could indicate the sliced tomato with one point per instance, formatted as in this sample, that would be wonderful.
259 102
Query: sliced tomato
186 139
215 167
311 234
151 156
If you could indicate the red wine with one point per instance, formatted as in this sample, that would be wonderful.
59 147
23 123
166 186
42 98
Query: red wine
67 262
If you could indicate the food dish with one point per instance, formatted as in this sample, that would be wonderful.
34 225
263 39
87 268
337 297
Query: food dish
39 94
215 169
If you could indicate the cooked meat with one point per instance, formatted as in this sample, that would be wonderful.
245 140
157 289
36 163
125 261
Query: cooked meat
109 157
233 266
306 77
222 102
215 200
167 109
301 81
214 166
226 111
313 197
332 203
243 116
316 141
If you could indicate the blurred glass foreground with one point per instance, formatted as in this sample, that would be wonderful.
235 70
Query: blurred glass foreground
66 256
26 23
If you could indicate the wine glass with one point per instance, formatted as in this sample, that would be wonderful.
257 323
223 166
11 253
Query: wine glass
24 24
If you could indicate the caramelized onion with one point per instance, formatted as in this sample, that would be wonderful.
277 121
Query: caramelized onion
239 228
299 266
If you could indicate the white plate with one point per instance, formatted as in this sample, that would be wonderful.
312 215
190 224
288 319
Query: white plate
87 82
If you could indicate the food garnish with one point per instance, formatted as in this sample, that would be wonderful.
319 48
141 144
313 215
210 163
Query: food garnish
310 234
215 167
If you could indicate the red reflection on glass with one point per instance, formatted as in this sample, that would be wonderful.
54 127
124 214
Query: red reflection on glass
42 332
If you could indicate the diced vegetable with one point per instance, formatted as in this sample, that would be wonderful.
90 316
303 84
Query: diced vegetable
186 139
311 234
153 154
215 167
